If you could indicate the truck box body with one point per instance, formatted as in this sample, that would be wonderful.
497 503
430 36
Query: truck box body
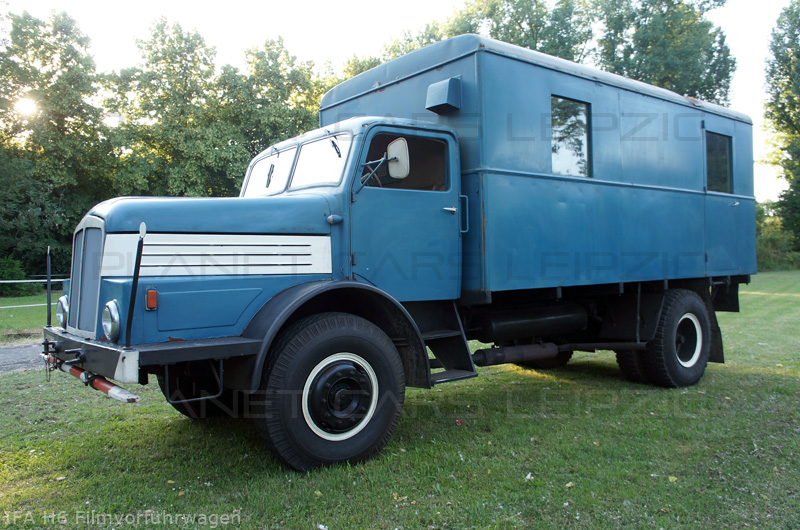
642 212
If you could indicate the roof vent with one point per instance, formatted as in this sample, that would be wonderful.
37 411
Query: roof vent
444 96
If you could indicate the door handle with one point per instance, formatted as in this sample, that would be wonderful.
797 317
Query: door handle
735 203
452 209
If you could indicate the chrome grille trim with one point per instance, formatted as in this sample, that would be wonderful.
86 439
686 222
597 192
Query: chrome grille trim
84 292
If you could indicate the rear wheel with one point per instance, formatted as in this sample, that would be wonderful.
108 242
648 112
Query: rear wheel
333 392
679 353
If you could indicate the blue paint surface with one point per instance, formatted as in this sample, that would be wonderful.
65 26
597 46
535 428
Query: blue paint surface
300 213
643 214
195 307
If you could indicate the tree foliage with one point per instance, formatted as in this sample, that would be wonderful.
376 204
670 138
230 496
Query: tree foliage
187 131
782 111
563 30
355 65
55 155
166 122
667 43
183 128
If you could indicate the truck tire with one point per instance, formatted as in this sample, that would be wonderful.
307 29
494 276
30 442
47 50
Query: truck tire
333 392
678 354
546 364
631 362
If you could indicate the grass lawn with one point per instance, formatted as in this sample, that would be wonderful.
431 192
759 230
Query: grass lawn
18 321
577 447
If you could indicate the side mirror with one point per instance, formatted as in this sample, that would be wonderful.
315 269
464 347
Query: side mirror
397 154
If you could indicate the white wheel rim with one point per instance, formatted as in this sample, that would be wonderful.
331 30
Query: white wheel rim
698 343
373 379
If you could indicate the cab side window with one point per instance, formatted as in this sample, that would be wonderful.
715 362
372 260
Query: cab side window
428 165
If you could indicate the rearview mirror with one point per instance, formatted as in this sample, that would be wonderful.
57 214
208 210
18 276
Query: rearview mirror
397 154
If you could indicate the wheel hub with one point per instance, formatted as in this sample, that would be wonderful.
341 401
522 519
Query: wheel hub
339 396
688 340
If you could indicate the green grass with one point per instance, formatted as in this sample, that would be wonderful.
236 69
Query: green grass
577 447
26 320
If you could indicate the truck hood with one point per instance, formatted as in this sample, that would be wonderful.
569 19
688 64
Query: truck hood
287 214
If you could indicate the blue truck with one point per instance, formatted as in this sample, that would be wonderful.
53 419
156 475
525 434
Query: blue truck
469 191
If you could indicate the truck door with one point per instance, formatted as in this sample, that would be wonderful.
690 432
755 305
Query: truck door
729 226
405 234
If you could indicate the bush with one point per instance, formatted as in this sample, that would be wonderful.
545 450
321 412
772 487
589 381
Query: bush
11 269
775 251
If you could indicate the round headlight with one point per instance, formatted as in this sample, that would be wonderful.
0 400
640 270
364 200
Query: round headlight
62 311
111 321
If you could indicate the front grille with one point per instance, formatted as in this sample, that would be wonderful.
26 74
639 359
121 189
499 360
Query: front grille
87 255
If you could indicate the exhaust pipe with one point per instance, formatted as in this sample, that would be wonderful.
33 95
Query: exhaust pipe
515 354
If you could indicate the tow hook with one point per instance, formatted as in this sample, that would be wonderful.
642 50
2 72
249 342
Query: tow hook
80 357
86 377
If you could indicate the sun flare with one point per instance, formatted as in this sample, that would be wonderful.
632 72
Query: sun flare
26 107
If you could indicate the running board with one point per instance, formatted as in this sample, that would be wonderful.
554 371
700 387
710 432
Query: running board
451 375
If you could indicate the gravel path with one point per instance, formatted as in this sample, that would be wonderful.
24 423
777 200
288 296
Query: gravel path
20 358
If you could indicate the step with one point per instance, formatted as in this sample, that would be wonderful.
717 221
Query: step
451 375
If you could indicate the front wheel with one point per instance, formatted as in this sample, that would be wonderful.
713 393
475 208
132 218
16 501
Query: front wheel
333 392
679 353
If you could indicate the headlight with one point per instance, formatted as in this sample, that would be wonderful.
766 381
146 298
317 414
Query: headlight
62 311
111 321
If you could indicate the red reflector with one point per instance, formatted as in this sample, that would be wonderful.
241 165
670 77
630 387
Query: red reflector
152 299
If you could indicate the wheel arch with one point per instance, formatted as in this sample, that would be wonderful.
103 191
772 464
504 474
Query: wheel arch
623 312
365 301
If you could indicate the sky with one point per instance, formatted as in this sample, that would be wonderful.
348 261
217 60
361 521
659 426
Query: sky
326 31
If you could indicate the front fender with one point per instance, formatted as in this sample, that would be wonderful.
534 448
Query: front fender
363 300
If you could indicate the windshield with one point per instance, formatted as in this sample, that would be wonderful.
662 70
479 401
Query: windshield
321 162
269 175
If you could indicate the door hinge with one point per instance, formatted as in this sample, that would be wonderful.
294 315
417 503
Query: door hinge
352 259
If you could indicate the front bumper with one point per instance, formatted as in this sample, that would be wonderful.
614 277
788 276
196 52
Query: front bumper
123 364
108 360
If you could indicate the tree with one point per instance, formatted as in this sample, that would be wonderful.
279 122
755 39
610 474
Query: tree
432 32
33 216
275 99
667 43
563 30
355 65
53 143
782 111
188 132
162 105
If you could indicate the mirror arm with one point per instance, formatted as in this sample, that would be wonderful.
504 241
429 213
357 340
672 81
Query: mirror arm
363 181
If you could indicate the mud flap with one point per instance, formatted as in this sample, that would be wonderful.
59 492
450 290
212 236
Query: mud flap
717 353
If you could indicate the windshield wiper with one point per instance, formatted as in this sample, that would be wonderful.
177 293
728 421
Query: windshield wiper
336 147
269 174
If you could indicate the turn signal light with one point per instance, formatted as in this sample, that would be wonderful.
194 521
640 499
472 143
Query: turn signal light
152 300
